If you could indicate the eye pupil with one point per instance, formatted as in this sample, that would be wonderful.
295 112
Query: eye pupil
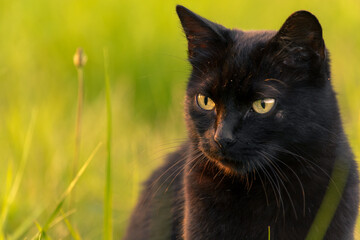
205 102
263 104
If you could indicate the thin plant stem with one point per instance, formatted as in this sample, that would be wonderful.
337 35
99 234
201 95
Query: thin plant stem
78 118
108 189
79 62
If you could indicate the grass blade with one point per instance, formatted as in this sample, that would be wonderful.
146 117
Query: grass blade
108 190
330 202
69 189
75 235
25 225
62 217
9 199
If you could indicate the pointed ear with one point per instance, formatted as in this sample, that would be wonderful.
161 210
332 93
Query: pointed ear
301 34
205 38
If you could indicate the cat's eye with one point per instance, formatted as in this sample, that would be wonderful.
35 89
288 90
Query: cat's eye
263 105
205 102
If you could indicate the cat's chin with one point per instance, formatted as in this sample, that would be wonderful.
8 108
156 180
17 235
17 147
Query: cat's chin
228 165
235 167
225 162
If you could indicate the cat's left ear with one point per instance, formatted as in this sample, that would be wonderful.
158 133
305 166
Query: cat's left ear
206 39
301 35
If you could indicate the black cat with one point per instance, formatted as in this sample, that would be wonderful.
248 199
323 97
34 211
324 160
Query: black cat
266 146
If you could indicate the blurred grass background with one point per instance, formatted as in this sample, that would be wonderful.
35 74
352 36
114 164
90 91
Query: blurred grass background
148 72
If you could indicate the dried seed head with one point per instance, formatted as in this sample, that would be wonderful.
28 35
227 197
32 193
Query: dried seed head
79 58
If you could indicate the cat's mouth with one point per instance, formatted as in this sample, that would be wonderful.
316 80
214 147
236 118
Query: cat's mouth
236 160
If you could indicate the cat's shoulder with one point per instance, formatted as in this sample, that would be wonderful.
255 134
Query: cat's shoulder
161 196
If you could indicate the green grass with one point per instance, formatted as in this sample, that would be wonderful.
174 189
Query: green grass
147 72
12 187
108 186
52 219
330 202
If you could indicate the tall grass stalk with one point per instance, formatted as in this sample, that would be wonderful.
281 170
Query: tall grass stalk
108 189
60 202
10 197
79 62
330 202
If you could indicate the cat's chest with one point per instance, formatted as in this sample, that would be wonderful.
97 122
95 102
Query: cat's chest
242 218
229 205
239 214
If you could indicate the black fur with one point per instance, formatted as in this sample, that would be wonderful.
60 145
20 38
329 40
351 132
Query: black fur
241 172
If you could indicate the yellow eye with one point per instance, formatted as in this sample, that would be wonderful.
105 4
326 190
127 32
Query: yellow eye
263 105
205 102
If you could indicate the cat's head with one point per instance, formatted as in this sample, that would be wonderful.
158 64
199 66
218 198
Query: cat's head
253 95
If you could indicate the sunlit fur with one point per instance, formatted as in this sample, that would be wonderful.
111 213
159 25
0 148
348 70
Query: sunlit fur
241 172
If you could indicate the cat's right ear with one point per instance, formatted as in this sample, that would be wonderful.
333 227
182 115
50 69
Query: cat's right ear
300 37
205 38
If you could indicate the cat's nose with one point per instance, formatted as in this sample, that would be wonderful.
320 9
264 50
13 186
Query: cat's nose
224 143
224 138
